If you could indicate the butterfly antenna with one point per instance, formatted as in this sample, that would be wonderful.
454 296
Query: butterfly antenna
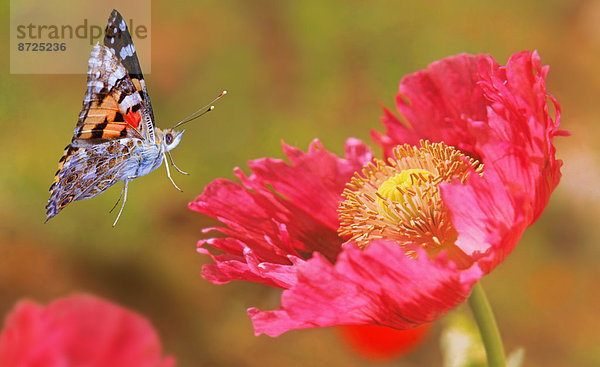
201 111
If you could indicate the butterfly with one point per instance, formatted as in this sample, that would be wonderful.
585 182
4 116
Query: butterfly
115 138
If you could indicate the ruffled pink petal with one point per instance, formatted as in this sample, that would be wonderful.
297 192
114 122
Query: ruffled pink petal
522 131
278 215
437 104
227 268
377 286
489 218
80 331
312 182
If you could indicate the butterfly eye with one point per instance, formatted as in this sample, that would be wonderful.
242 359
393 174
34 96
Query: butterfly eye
169 138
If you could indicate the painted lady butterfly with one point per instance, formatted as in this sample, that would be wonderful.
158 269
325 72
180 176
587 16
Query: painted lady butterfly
115 138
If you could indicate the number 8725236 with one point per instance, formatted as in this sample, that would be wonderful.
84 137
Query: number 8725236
42 46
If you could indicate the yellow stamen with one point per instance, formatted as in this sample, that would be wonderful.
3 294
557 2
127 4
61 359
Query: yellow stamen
401 200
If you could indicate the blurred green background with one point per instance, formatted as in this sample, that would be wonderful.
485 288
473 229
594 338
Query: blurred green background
296 71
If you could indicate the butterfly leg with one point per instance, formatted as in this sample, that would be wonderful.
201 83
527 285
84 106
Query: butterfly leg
169 173
173 163
124 194
118 200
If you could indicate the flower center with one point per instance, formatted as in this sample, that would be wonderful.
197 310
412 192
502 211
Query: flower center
400 200
391 189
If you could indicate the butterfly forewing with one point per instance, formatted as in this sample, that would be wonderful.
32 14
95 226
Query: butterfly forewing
115 123
118 39
112 106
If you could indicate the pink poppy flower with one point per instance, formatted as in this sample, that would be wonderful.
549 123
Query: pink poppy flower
360 241
81 331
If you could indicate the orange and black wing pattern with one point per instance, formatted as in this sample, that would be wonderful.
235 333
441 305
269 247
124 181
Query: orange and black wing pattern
118 39
112 107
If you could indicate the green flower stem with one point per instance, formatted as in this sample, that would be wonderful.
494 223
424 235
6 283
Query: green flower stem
488 329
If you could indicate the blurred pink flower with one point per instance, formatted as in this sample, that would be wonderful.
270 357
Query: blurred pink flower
404 256
79 331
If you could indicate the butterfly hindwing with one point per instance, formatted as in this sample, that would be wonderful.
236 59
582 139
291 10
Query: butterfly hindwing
87 172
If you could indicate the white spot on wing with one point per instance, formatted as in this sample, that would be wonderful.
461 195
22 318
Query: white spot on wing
126 51
114 77
129 101
95 86
93 63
